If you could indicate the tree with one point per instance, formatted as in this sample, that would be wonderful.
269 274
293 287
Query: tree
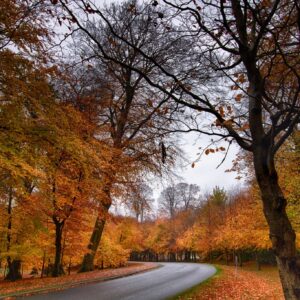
169 201
252 48
140 200
188 195
25 96
133 115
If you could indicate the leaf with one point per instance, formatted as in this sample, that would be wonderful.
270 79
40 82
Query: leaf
238 97
241 78
150 102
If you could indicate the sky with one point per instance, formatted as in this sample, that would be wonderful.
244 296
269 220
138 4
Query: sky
205 173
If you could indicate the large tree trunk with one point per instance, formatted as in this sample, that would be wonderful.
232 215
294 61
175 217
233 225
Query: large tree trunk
88 259
14 266
57 267
14 269
282 235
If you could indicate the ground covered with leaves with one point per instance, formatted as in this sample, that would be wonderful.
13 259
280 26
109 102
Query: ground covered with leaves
36 285
239 284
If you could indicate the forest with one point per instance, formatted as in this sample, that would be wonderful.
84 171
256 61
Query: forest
95 100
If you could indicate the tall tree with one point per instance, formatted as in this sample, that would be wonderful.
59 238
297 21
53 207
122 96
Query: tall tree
188 194
169 201
133 114
140 200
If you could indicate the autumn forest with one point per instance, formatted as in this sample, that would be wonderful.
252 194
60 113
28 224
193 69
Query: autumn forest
95 101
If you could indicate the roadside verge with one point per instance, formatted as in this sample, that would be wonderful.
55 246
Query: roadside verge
26 287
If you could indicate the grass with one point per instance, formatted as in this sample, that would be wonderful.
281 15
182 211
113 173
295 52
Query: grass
189 293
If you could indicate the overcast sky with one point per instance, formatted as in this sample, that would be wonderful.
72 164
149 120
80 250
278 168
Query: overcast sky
205 172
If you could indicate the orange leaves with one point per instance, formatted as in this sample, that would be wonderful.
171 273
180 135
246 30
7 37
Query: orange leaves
244 127
207 151
238 97
238 284
241 78
221 110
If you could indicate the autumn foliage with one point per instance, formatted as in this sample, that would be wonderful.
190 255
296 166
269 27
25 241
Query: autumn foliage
90 113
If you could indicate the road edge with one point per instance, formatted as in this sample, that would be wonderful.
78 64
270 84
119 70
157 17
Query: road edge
188 292
65 286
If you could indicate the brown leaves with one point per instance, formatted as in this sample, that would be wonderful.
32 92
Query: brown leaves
238 97
241 78
150 103
221 110
238 284
210 150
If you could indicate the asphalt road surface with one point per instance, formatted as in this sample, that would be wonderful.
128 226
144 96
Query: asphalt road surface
161 283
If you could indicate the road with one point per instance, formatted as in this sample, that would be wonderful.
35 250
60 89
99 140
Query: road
161 283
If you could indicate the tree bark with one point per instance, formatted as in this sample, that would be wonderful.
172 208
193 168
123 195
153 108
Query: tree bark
14 269
14 266
57 267
43 265
282 235
88 259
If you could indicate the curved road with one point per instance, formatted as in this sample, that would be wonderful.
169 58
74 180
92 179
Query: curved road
161 283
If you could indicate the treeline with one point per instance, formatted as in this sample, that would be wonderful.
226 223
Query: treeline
222 225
